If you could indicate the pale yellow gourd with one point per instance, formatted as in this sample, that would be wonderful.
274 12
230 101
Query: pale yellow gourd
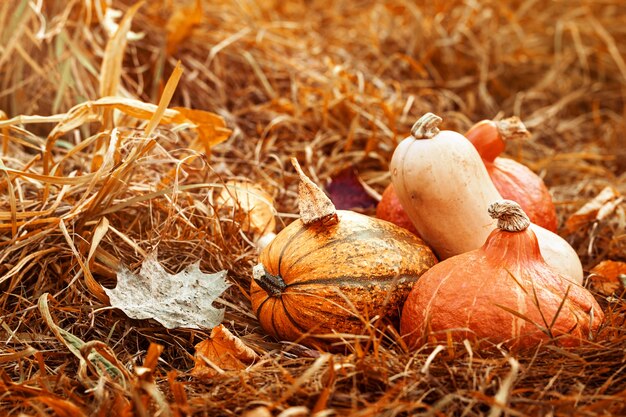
445 189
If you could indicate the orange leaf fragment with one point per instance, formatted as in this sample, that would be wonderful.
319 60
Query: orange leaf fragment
210 127
597 209
223 351
608 277
181 23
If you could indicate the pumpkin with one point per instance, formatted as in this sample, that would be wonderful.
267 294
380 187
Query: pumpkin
328 272
514 181
503 292
390 209
445 190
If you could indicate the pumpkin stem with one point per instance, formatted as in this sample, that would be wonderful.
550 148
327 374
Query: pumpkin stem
510 216
315 206
512 128
426 127
272 284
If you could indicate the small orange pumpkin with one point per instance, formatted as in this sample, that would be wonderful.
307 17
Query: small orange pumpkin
514 181
503 292
328 271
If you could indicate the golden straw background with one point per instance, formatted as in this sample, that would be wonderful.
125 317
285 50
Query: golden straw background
109 151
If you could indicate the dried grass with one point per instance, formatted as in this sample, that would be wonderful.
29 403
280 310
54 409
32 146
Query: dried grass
333 85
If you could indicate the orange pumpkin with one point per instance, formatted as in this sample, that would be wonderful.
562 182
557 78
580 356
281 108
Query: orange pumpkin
513 180
503 292
390 209
323 275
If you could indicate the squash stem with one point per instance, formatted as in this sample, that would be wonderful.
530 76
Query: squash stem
314 204
512 128
426 127
272 284
510 216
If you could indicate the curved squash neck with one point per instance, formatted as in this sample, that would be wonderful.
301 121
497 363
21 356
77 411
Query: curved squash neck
273 285
486 139
489 137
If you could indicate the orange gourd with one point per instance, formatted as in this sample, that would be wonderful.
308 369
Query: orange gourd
514 181
503 292
331 269
390 209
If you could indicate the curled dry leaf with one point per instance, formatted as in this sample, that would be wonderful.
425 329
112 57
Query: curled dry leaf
91 359
181 300
222 351
608 277
597 209
253 206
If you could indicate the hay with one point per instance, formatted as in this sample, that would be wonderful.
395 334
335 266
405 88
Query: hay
334 85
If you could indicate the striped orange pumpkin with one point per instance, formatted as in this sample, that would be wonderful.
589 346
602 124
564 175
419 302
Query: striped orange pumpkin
315 282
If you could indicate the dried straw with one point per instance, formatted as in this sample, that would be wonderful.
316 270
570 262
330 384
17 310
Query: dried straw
89 182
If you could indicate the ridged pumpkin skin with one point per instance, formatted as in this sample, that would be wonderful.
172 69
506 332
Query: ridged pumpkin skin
467 297
390 209
514 181
359 263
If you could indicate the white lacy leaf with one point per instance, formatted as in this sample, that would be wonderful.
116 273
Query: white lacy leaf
181 300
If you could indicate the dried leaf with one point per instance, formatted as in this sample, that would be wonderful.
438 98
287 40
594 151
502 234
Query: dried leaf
164 101
60 406
597 209
224 351
254 208
608 277
346 191
75 345
210 127
181 300
181 23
